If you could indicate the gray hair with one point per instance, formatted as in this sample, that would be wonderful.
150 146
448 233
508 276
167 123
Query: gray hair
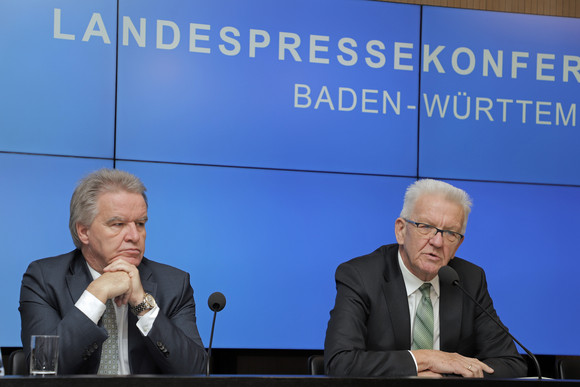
436 187
83 204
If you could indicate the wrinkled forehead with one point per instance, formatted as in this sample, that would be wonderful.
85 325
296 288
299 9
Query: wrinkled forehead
121 201
431 207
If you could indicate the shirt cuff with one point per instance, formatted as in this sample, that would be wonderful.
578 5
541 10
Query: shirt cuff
146 321
415 361
91 306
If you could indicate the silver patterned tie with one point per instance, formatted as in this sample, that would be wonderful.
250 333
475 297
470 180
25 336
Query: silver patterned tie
423 327
110 355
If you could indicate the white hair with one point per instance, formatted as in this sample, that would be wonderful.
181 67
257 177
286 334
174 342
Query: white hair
83 204
436 187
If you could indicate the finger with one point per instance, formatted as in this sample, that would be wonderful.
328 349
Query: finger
480 366
476 368
466 367
467 370
119 265
429 374
486 368
131 271
122 299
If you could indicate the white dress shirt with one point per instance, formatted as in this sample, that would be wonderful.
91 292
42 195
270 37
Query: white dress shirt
94 309
412 285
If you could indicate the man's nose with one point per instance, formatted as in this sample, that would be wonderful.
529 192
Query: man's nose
437 239
132 233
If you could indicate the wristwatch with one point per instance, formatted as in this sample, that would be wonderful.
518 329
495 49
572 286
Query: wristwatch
148 303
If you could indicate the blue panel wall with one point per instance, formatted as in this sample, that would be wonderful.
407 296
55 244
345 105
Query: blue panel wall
276 141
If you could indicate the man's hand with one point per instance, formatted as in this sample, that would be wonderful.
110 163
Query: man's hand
137 294
428 374
440 362
111 285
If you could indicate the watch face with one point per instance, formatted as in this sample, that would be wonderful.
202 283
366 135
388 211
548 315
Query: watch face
150 300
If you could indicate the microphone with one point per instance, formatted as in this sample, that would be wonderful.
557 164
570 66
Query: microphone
216 302
448 274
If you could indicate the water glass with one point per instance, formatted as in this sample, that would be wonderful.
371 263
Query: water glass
43 355
1 364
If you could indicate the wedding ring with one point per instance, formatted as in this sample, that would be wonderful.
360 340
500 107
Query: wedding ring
469 368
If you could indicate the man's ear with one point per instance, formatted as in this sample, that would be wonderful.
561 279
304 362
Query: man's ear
460 242
400 230
83 233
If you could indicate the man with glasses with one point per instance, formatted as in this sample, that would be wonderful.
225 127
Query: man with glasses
393 317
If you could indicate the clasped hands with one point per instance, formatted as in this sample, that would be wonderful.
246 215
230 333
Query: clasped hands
120 280
433 363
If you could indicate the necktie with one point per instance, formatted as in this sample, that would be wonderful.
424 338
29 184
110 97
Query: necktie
110 355
423 327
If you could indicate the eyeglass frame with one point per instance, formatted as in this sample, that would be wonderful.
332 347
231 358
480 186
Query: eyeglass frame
437 230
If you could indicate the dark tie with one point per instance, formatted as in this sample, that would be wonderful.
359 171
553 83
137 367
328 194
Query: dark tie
423 327
110 355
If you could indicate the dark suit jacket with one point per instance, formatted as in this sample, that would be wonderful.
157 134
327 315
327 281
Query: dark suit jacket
50 288
369 330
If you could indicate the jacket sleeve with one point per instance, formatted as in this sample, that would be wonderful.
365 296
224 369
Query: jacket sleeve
346 348
174 342
491 344
45 310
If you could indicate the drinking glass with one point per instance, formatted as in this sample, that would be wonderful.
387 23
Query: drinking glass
1 363
43 355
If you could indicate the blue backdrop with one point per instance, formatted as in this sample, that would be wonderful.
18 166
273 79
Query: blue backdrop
277 140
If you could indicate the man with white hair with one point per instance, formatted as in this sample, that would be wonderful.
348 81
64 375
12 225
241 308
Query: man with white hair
392 315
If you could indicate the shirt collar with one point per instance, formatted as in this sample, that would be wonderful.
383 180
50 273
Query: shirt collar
412 283
95 274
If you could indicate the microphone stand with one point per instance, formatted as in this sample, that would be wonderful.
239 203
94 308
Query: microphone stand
216 302
210 342
456 283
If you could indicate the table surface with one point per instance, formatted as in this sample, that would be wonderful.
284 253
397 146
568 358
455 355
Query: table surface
263 381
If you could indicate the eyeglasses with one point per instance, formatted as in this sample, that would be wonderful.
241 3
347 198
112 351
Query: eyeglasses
430 231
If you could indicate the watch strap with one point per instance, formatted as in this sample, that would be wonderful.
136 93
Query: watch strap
143 305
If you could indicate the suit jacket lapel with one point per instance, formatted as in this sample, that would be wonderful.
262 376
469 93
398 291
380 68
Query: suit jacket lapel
396 299
78 277
450 313
133 332
146 278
